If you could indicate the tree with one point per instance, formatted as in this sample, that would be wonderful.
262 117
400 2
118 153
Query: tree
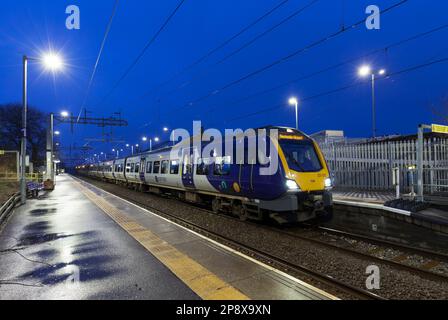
11 131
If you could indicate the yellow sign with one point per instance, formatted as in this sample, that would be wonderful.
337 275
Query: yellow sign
2 152
439 128
289 137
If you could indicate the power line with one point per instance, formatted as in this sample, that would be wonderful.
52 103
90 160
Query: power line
291 55
338 65
346 87
249 43
103 43
143 51
220 46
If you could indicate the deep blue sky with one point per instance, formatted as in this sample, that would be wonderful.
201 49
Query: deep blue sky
200 25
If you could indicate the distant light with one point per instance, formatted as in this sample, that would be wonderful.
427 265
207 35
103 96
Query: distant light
52 61
166 129
293 101
113 150
156 139
56 133
137 145
64 114
382 72
365 71
127 145
144 139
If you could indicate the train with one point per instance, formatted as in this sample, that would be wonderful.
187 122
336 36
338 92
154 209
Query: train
300 190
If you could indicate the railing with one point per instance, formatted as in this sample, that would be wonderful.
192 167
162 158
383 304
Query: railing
12 177
9 176
35 177
6 208
370 165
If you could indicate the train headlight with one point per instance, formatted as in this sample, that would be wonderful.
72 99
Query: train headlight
292 185
328 183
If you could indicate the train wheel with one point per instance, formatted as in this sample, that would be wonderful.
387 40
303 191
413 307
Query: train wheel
240 211
216 205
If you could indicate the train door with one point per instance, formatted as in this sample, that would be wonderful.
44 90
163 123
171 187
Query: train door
188 167
142 169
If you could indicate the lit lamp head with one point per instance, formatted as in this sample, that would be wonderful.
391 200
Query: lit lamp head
64 114
382 72
57 133
52 62
365 71
144 139
293 101
165 129
156 139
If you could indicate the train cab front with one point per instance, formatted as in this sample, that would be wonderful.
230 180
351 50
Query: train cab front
307 178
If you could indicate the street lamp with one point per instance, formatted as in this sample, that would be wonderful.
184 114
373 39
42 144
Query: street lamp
64 114
293 101
365 71
165 129
51 62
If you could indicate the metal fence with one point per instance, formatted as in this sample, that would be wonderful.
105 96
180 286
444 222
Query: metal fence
9 166
370 165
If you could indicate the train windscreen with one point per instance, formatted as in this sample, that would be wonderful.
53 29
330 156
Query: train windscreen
301 155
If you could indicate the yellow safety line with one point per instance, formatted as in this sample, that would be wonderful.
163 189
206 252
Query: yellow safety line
203 282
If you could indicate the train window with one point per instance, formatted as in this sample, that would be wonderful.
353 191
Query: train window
203 168
156 168
174 167
165 167
137 168
222 166
149 167
132 167
301 155
128 168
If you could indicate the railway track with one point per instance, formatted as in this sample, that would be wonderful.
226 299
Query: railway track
313 238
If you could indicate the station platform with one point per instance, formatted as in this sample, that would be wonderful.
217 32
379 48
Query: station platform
373 202
79 242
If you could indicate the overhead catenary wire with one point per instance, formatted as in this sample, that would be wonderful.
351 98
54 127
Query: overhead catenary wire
340 89
249 43
143 51
103 43
337 65
219 47
290 55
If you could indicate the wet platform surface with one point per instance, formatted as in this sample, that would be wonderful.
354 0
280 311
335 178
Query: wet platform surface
80 242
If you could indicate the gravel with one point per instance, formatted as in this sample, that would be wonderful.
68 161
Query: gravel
394 283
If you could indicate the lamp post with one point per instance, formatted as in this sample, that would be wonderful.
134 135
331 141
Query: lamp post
365 71
51 62
293 101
